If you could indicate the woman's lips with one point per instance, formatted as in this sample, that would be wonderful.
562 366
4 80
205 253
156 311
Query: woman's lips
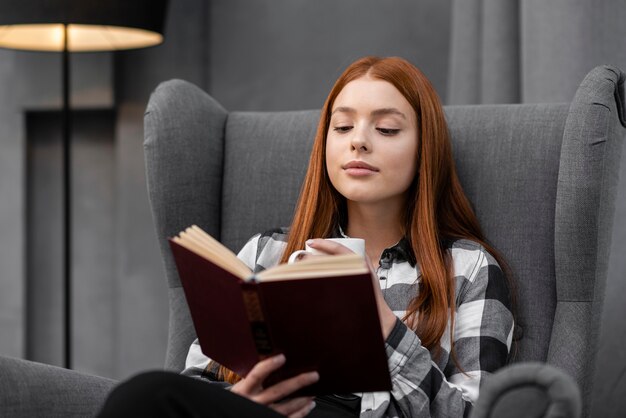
359 168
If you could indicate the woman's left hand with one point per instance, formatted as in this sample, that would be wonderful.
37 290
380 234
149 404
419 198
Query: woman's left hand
386 315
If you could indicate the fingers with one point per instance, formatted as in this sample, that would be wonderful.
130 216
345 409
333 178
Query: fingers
295 408
286 387
328 247
254 380
251 386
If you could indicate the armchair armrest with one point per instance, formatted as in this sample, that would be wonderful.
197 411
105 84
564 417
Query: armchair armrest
528 390
29 389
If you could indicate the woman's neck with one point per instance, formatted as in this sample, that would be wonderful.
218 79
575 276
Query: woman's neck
379 225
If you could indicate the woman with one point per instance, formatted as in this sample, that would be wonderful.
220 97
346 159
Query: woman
381 169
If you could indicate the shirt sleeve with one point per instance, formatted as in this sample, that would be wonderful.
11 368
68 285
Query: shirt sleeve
198 365
483 331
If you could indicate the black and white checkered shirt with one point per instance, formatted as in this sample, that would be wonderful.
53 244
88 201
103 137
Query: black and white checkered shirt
422 387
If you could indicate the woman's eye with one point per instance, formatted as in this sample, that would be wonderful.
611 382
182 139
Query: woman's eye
342 128
388 131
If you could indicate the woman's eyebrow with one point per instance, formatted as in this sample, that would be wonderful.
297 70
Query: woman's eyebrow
343 109
388 111
377 112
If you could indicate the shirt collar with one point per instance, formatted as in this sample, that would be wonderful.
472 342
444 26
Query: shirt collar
398 253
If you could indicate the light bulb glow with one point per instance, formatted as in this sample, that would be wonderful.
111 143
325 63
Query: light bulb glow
49 37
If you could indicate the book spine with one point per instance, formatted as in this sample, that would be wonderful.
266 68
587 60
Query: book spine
256 317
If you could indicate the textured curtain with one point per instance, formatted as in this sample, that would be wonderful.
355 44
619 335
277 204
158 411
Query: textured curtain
531 51
484 52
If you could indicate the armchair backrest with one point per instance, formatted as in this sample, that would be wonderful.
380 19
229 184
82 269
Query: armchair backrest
541 178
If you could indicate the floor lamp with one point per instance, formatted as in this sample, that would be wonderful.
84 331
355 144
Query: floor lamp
68 26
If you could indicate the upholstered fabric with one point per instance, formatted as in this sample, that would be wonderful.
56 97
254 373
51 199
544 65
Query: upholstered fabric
529 390
184 129
590 157
184 176
33 390
508 160
265 159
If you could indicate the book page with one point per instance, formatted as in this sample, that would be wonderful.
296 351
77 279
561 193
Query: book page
203 244
330 266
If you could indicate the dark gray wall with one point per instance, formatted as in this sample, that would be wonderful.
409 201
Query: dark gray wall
94 258
32 81
11 209
286 54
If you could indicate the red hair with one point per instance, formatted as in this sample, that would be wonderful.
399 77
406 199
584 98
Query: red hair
437 208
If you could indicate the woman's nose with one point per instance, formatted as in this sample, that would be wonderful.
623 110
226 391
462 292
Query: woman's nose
360 141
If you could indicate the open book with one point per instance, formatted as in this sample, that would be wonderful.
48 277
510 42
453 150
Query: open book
320 312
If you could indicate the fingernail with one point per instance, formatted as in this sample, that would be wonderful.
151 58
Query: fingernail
310 242
314 376
279 359
311 406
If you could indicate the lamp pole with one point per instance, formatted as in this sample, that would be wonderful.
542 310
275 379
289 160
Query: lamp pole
67 205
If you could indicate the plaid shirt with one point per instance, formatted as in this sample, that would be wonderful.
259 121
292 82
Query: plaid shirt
422 385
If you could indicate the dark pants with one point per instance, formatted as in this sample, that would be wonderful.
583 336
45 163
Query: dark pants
169 395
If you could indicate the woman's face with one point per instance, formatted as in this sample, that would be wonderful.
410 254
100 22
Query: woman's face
371 147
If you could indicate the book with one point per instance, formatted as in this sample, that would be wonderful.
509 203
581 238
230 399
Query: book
320 313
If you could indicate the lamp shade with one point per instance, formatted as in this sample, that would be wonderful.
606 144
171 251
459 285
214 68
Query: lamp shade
92 25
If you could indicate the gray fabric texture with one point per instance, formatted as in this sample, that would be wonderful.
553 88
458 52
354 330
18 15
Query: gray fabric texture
560 41
530 51
464 73
183 144
527 401
265 160
507 158
32 390
181 332
500 67
184 130
529 390
484 52
592 144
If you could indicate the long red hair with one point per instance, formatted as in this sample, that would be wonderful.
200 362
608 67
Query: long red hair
437 208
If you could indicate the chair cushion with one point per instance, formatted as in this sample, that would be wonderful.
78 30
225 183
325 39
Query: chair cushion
263 150
514 199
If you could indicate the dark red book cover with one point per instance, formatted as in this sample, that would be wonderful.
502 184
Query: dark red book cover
327 324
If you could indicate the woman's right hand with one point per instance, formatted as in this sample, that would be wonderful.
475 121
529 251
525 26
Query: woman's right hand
252 388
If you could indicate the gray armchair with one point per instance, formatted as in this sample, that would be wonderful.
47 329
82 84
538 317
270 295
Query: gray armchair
542 179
